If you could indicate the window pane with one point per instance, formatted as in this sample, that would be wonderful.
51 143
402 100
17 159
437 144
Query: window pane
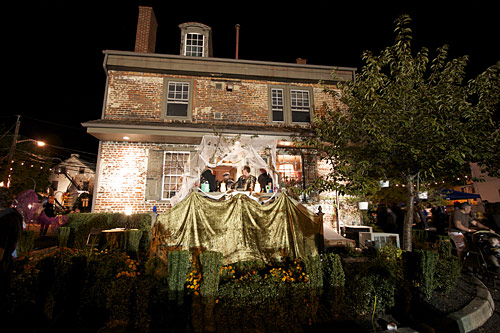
300 106
177 110
177 99
277 104
194 45
174 166
278 115
301 117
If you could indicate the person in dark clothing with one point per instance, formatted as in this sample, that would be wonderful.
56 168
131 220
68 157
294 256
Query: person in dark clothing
227 180
46 218
264 179
11 227
439 219
390 221
208 176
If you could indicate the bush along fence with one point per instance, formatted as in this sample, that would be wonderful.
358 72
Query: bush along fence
97 289
135 240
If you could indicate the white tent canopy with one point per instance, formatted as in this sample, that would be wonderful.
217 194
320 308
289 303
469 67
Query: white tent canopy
237 151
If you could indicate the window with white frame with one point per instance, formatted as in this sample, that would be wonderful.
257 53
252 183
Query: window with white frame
300 106
177 99
290 104
194 45
277 105
174 165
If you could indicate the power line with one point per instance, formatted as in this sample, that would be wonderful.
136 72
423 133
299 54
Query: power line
52 123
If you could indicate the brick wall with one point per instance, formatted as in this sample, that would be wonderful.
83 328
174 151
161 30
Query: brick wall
122 178
139 96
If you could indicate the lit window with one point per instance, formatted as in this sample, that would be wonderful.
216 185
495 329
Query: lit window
290 105
174 166
290 169
194 45
177 99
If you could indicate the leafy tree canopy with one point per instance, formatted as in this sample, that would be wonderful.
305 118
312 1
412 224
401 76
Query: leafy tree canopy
406 116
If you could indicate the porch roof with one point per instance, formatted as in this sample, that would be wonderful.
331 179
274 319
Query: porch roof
180 132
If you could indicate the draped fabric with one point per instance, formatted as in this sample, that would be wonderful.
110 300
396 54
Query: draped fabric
240 228
235 151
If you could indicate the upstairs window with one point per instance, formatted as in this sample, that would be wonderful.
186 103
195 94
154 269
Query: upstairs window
194 45
290 105
277 105
300 106
177 99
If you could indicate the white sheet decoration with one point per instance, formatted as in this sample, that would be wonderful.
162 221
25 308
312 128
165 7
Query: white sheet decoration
236 151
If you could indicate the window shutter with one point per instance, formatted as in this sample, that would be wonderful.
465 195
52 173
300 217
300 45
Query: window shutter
154 175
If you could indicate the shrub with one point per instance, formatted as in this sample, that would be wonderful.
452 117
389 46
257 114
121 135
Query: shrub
63 234
211 263
420 269
333 272
369 288
26 243
314 270
448 268
177 267
82 223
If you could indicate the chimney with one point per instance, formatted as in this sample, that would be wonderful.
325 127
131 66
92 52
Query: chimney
301 61
145 40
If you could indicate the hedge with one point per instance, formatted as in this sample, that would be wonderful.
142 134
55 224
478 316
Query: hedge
81 224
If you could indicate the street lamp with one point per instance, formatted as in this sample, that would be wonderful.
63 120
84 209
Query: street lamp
37 142
11 155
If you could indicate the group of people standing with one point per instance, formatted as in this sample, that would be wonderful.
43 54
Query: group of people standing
246 182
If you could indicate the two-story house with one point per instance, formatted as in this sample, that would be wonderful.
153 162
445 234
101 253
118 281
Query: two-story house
161 110
70 179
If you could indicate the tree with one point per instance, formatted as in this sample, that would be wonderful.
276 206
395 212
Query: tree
406 118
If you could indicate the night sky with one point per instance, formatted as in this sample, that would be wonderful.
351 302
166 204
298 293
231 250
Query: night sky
54 48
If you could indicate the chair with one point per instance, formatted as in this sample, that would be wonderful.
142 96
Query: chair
93 237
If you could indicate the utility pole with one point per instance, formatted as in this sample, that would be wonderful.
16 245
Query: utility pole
12 150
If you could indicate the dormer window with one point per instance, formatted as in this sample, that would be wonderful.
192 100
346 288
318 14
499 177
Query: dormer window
196 40
194 45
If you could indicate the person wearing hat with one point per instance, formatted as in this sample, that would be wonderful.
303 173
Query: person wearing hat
461 222
226 180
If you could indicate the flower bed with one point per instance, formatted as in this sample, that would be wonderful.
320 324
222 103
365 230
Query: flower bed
106 290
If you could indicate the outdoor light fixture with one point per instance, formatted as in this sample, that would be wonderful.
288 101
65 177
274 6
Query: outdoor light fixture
126 138
37 142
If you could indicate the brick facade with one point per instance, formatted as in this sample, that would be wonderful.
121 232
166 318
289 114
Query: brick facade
223 93
133 95
122 178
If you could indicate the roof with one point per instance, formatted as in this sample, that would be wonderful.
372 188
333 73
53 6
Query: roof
178 132
228 68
